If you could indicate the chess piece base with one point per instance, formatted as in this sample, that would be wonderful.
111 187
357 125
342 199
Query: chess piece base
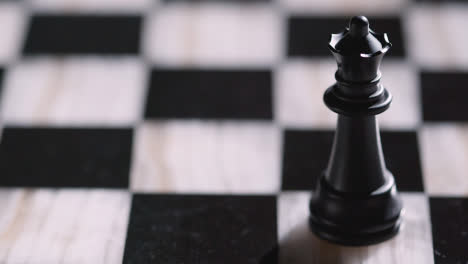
355 219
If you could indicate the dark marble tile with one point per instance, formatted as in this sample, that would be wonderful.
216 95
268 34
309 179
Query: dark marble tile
83 34
449 218
308 36
65 157
211 94
401 150
202 229
305 157
306 154
443 96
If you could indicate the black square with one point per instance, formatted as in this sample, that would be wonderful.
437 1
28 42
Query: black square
305 157
306 154
212 94
83 34
401 150
449 218
202 229
65 157
443 96
309 36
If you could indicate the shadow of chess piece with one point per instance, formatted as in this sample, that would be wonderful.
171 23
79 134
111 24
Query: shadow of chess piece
301 246
356 201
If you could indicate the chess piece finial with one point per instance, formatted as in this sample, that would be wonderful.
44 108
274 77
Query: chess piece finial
356 201
359 26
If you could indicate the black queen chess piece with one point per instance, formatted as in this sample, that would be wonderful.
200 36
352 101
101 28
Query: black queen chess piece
356 200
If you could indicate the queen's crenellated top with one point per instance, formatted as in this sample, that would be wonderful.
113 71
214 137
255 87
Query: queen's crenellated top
358 52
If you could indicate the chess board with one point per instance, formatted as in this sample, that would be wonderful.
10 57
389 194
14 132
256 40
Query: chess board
193 131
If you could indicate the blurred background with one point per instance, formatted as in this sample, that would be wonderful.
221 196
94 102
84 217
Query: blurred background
177 70
102 99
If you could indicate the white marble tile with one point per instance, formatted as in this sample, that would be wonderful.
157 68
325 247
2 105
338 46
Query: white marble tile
299 246
400 79
66 226
444 154
196 156
101 6
437 36
214 34
358 7
74 91
12 27
300 86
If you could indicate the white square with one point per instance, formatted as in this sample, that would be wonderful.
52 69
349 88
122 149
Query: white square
437 36
52 226
299 92
400 79
12 26
74 91
299 245
214 34
300 86
195 156
444 154
345 7
90 6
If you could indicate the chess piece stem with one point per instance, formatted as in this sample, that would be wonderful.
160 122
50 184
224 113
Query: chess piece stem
357 151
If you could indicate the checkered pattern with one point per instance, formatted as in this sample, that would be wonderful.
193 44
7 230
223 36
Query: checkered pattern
193 131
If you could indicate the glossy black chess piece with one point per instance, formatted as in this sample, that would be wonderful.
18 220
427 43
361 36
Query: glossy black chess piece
356 200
